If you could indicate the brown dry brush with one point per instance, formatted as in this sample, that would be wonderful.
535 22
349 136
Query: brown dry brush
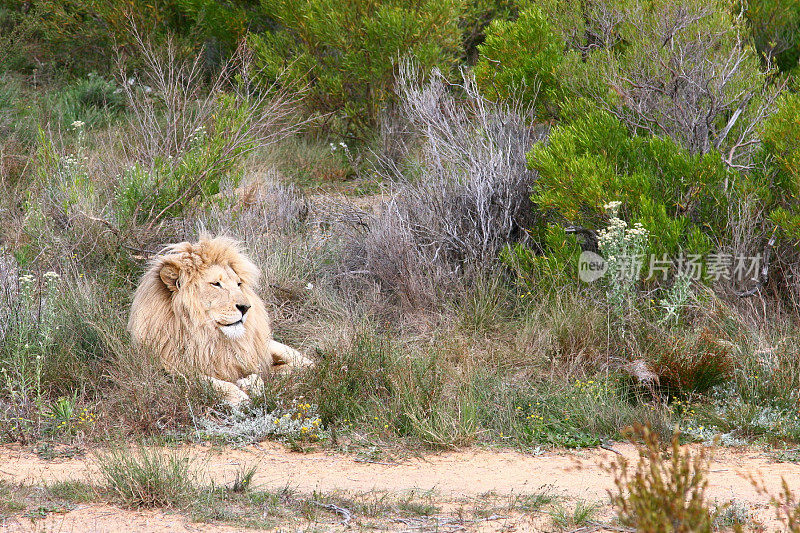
662 495
458 187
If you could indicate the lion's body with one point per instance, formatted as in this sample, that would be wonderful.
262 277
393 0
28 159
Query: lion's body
197 311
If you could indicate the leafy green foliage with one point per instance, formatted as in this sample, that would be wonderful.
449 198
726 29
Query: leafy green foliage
168 186
220 26
671 68
92 100
521 58
346 51
775 25
477 16
80 36
592 160
780 134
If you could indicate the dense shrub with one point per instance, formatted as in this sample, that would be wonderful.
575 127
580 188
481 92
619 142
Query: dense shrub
779 136
521 58
666 68
591 160
477 16
79 36
92 100
346 51
776 30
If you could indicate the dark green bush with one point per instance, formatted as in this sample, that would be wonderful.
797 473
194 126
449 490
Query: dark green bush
780 134
477 16
591 159
521 58
346 51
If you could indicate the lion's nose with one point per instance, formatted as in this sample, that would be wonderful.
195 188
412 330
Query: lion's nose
242 308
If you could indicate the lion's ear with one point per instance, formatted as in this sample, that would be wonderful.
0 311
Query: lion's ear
170 275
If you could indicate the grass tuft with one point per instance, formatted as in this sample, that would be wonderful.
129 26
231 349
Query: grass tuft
148 478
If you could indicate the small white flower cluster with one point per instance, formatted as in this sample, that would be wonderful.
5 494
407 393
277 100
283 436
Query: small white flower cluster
341 144
613 208
623 249
198 135
78 124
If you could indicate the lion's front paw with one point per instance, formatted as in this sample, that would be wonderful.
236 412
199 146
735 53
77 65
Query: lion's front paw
252 384
304 361
236 396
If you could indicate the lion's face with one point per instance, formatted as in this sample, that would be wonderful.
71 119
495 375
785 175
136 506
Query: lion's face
197 307
210 291
219 291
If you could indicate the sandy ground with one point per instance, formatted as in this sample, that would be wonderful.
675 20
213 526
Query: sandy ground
452 476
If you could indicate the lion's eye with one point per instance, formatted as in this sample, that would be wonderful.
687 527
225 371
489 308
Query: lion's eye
217 284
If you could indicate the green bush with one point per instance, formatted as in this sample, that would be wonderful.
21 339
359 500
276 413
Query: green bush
346 51
522 58
477 16
219 26
92 100
779 136
170 184
775 25
591 160
675 68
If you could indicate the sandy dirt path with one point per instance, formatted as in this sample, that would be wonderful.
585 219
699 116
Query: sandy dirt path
453 476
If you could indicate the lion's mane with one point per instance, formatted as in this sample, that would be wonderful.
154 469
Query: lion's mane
171 322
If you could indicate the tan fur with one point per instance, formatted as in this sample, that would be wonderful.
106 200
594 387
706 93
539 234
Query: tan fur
185 302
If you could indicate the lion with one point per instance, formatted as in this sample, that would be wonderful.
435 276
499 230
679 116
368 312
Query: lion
197 310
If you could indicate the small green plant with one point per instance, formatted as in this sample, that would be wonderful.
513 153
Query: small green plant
72 491
62 414
661 494
676 299
579 516
243 480
148 478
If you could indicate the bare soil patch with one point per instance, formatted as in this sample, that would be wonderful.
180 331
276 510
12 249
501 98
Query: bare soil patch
456 479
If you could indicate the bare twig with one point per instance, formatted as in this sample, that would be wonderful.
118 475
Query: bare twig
341 511
764 274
